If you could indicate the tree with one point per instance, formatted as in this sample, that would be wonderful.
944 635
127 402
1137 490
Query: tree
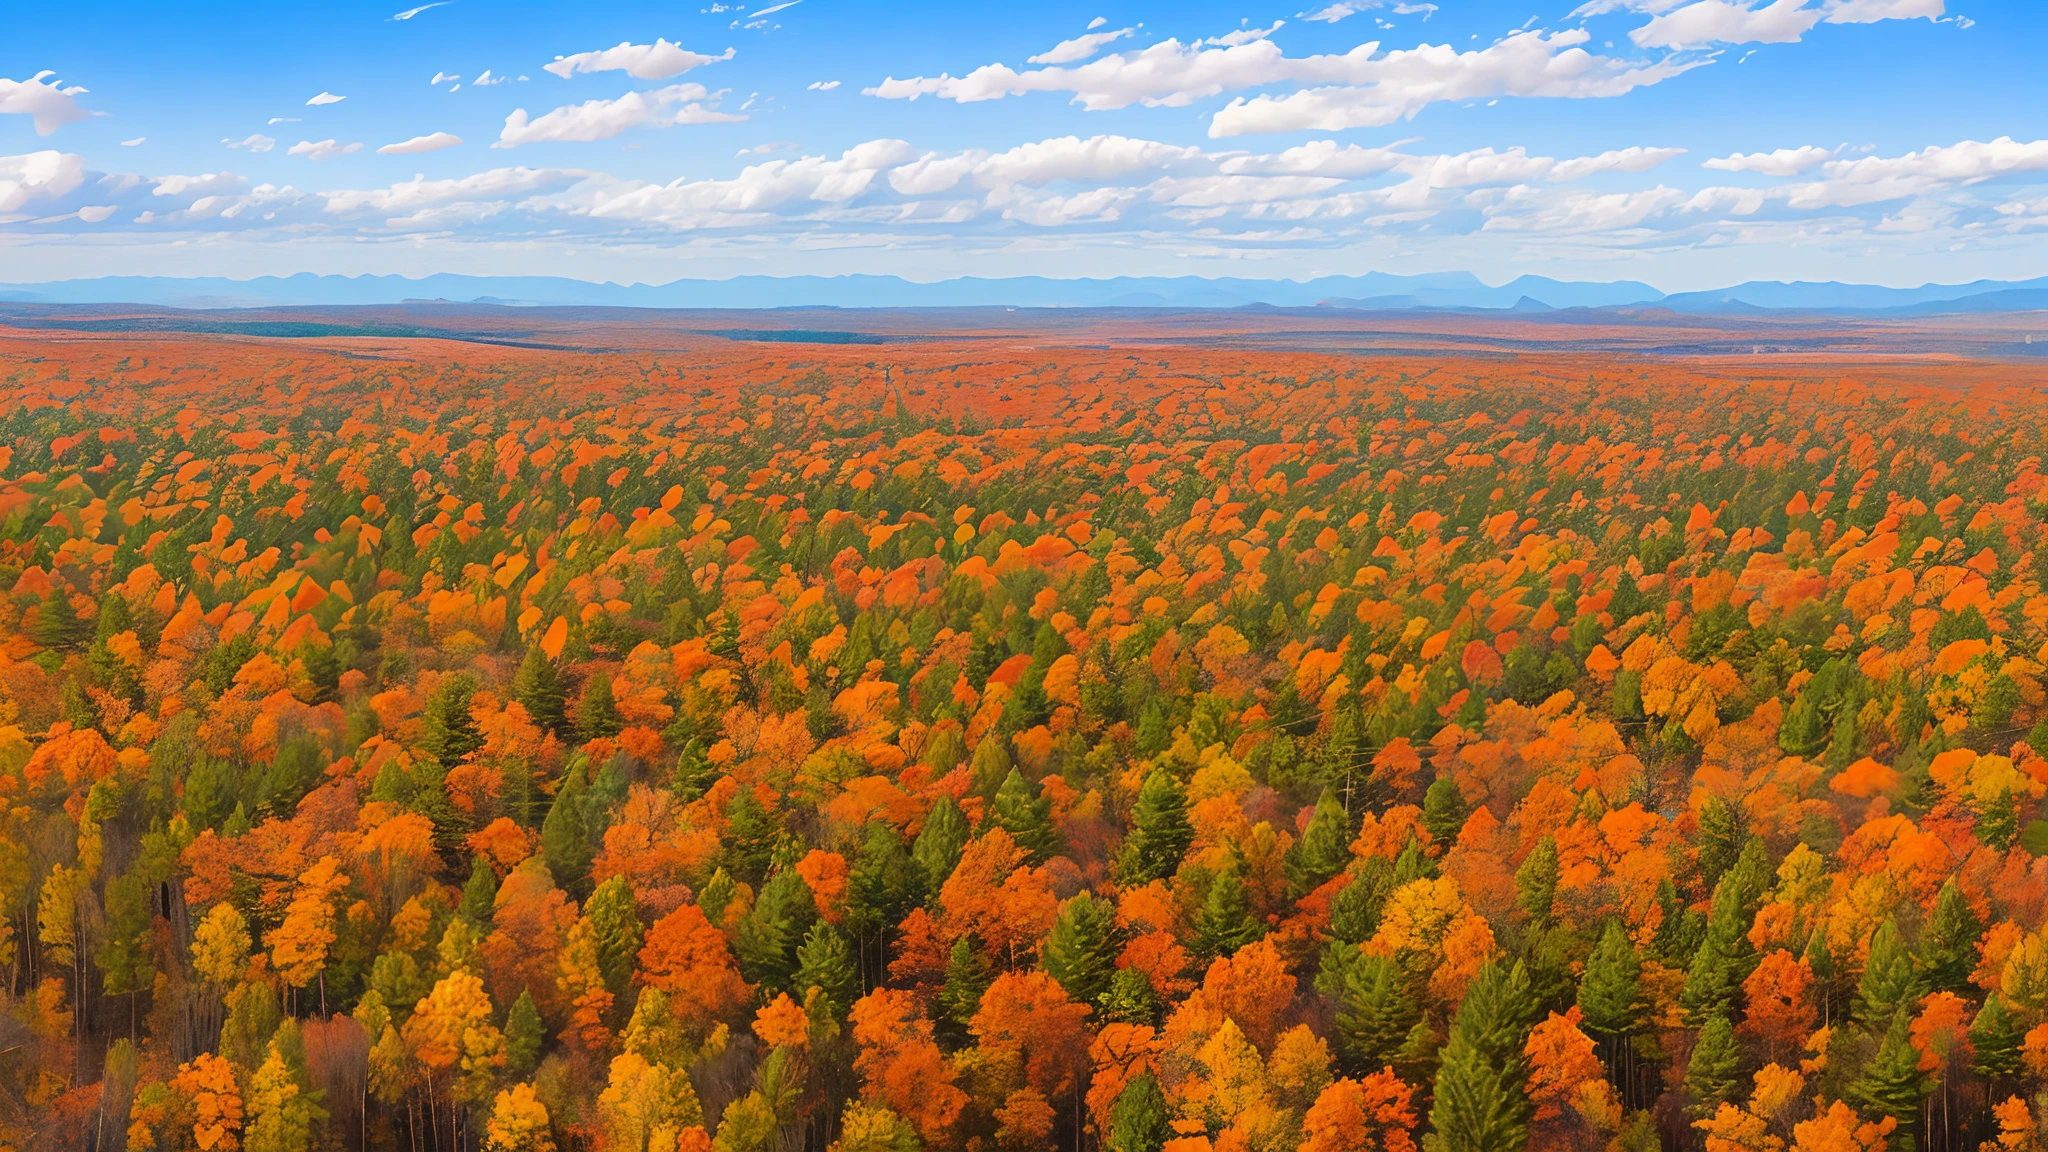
1607 993
769 937
824 963
479 892
1325 845
1080 952
1481 1101
451 732
1029 1014
281 1115
687 958
938 845
298 946
1890 981
868 1127
1443 810
1376 1009
1950 940
1725 957
1995 1038
56 624
597 715
616 931
1710 1074
645 1106
450 1033
523 1037
539 690
1160 832
1536 881
1026 816
564 840
1780 1017
1892 1083
519 1122
1226 921
1139 1121
900 1065
1374 1114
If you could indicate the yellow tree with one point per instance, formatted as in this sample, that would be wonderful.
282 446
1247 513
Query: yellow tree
519 1123
298 946
452 1037
646 1106
209 1083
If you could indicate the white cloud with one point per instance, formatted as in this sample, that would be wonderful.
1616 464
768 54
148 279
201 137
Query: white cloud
325 97
821 85
604 119
206 184
766 149
657 61
430 143
1579 212
1069 158
95 213
756 191
1874 179
1079 48
420 194
134 142
50 106
1871 11
1098 22
409 13
1241 36
276 120
322 149
487 80
44 175
774 8
440 76
1319 158
1427 10
1728 22
1631 159
254 142
1780 162
1382 89
1338 11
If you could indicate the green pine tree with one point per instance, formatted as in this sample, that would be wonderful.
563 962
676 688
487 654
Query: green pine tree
1996 1036
1722 837
1355 912
1607 994
1026 816
1131 999
1139 1120
1536 881
1806 729
718 894
1950 940
1725 957
480 893
967 978
1160 832
885 882
523 1036
751 833
615 922
57 625
597 715
564 841
1443 810
824 963
1711 1073
1892 1083
451 732
1890 981
938 845
539 690
1377 1006
1482 1104
1324 848
767 941
1081 950
1226 922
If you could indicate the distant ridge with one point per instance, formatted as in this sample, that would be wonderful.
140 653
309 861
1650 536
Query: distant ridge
1373 291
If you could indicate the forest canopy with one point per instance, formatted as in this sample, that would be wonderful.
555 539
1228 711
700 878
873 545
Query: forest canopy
964 746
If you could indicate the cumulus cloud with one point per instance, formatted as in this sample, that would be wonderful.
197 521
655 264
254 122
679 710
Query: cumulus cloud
1875 179
325 97
1756 22
322 149
1079 48
254 142
755 192
1378 90
41 99
432 142
657 61
1779 162
1871 11
604 119
1168 74
411 197
44 175
95 213
1338 11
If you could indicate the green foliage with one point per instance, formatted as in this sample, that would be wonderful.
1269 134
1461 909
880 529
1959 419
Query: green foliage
1160 832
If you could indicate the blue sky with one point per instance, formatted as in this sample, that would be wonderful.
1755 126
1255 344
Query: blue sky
1686 143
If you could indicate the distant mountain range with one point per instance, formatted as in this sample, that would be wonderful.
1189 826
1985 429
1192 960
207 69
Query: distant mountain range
1375 291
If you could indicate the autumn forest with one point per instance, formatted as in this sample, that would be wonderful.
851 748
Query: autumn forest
982 743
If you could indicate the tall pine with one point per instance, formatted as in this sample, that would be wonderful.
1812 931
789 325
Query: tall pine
1482 1102
1081 950
1160 832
